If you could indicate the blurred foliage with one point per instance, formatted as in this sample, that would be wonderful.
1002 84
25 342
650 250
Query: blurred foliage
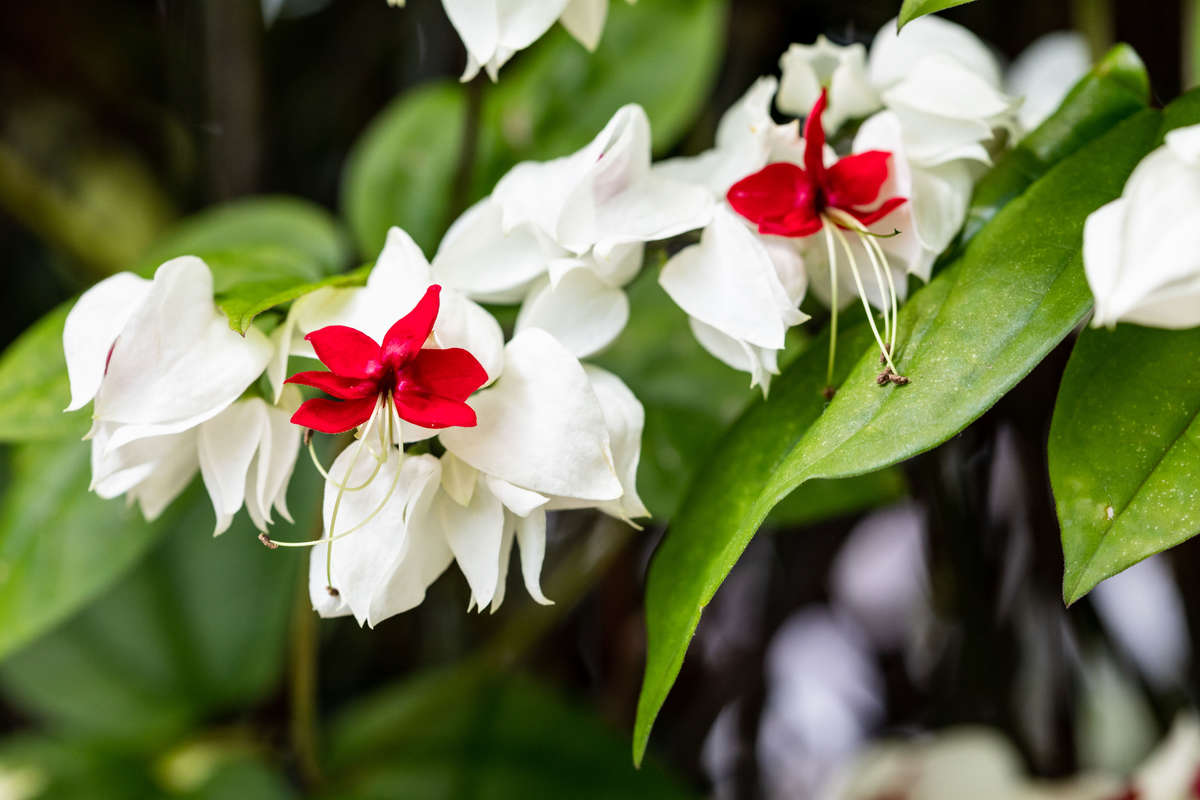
34 388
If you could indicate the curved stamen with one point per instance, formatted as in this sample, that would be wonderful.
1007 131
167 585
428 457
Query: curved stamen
833 319
863 295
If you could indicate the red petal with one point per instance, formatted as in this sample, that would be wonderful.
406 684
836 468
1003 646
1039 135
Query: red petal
346 351
793 226
428 411
856 180
871 217
334 416
814 140
405 338
772 193
452 373
336 385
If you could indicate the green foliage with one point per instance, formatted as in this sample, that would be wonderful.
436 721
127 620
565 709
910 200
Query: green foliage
1125 450
60 545
401 169
552 100
33 385
965 340
199 627
471 733
912 9
263 251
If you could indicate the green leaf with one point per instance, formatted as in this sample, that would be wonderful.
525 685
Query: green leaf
200 627
401 170
1114 90
965 340
51 769
263 251
912 9
33 385
1124 450
60 545
815 501
471 733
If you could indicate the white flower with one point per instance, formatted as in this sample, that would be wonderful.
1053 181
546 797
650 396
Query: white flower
1141 252
741 290
806 69
494 30
1172 771
1044 72
938 78
565 235
944 85
551 434
166 373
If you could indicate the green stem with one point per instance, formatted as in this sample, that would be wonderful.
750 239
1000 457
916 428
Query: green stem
1191 43
1094 19
302 685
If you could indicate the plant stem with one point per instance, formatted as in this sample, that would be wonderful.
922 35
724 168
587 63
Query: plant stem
1191 43
464 171
302 685
1094 19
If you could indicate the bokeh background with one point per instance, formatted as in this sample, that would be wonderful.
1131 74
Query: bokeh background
922 598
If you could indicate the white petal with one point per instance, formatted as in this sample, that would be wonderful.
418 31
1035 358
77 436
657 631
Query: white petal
939 85
474 533
931 140
842 69
540 425
625 419
478 257
519 501
226 445
522 22
277 455
463 323
895 54
458 479
281 348
531 539
92 327
177 363
327 605
654 207
584 19
581 311
506 545
1162 239
726 282
154 471
478 25
1045 71
1102 255
1184 143
171 475
760 362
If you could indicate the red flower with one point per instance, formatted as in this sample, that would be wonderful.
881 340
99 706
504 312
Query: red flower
428 386
787 200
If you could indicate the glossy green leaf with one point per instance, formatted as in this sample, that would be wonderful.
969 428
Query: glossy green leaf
965 340
33 385
1124 450
263 251
1115 89
819 500
198 628
401 170
60 545
471 733
912 9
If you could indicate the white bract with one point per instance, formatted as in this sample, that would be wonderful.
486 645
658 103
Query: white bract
565 235
494 30
166 373
1141 252
1044 72
741 290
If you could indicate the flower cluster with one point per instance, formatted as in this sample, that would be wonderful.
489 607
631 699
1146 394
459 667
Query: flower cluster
544 432
169 380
